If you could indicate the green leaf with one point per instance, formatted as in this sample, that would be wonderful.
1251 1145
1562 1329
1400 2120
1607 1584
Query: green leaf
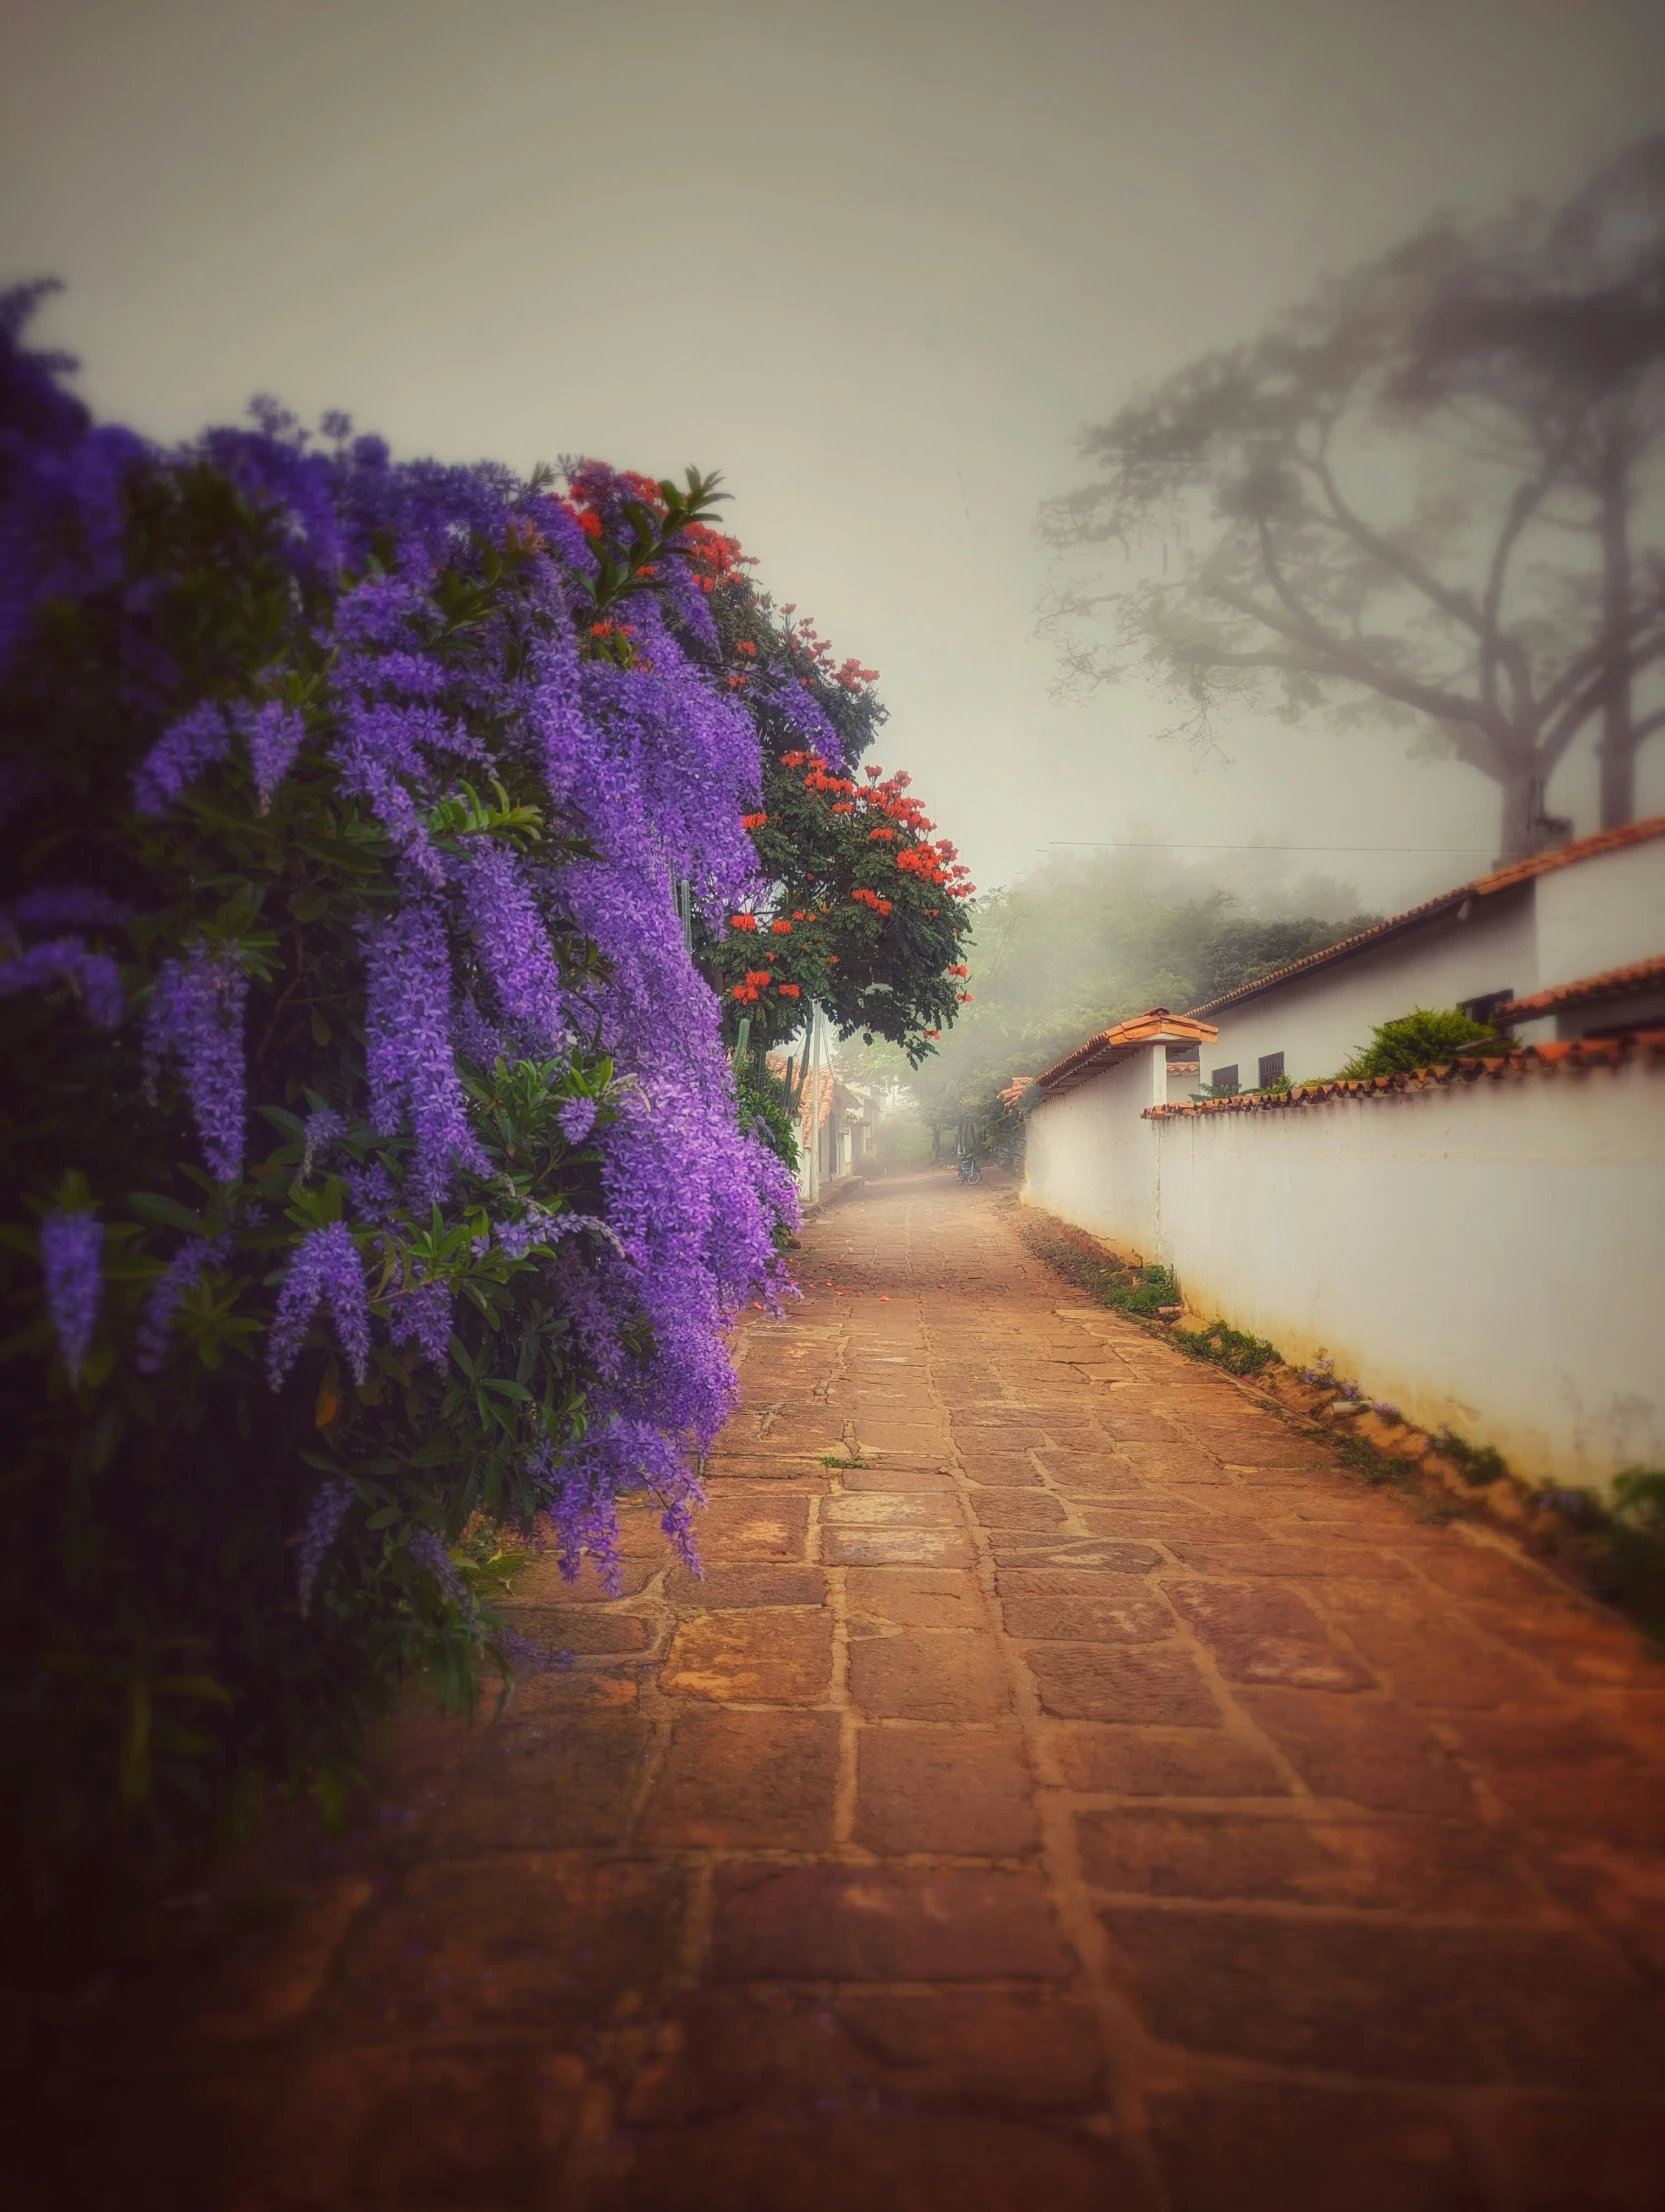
168 1212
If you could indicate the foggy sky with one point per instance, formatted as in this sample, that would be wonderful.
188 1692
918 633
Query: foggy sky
879 264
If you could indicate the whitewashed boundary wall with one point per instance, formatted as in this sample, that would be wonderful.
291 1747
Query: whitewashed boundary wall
1486 1254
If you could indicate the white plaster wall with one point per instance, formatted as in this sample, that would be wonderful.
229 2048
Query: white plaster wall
1090 1158
1490 1256
1602 913
1318 1020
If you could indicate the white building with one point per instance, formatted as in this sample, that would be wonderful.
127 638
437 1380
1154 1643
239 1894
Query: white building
1481 1245
1567 944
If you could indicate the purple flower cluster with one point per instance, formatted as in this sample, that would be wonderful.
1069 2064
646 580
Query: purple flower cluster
179 756
189 1264
412 1065
196 1018
325 1270
275 734
513 948
71 1252
92 976
318 1532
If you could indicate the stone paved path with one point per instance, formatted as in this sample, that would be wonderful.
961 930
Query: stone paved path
1093 1798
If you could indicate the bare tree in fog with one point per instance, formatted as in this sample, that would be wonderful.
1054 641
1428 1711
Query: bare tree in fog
1417 499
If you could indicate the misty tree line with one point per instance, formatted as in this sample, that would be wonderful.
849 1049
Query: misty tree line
1426 499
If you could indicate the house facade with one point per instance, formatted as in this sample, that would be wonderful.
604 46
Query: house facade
1570 943
1481 1245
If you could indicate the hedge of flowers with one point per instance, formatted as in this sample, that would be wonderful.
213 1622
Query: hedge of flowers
374 1164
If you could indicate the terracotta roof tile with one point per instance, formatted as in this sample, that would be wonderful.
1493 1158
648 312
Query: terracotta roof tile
1140 1029
1608 984
1575 1056
1480 887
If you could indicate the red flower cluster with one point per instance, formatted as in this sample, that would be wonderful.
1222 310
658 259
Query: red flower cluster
865 897
753 821
787 990
742 921
746 991
781 928
959 968
888 836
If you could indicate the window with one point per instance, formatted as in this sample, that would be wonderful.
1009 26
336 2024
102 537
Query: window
1482 1009
1223 1079
1271 1067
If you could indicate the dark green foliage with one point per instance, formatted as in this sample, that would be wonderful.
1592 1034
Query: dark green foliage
762 1105
1630 1559
1478 1464
1426 1037
1226 1347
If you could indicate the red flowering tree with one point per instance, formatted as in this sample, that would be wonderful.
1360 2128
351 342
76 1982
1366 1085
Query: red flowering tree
857 907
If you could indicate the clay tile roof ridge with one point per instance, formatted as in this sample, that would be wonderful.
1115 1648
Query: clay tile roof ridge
1575 1054
1478 887
1638 973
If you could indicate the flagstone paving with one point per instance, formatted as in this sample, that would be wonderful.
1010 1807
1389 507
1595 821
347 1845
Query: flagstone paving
1067 1787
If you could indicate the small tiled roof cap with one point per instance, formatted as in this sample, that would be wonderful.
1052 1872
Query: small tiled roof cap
1147 1028
1640 975
1575 1057
1480 887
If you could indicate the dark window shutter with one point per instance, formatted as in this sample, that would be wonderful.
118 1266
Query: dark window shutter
1271 1067
1224 1079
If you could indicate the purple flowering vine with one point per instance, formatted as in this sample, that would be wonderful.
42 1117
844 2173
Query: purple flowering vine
411 1065
93 977
275 734
183 1272
325 1270
196 1019
318 1533
179 756
71 1254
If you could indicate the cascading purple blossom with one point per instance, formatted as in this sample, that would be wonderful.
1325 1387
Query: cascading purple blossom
196 1019
577 1119
275 734
71 1255
186 1269
318 1533
422 1316
513 947
325 1270
93 977
412 1067
179 756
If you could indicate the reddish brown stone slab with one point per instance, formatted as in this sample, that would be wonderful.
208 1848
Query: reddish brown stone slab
1000 1470
900 1547
1146 1762
1016 1508
920 1675
1265 1634
394 2121
765 1657
1131 1563
751 1582
1361 1748
754 1525
938 1789
1129 1683
891 1477
890 1508
1595 2155
876 1924
1313 1557
1133 1614
746 1781
542 1583
982 2048
1405 1865
859 2158
1427 1661
914 1597
543 1783
1379 1998
1285 2147
514 1939
581 1628
1564 1772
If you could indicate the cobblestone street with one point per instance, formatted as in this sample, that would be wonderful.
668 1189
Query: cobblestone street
1066 1788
